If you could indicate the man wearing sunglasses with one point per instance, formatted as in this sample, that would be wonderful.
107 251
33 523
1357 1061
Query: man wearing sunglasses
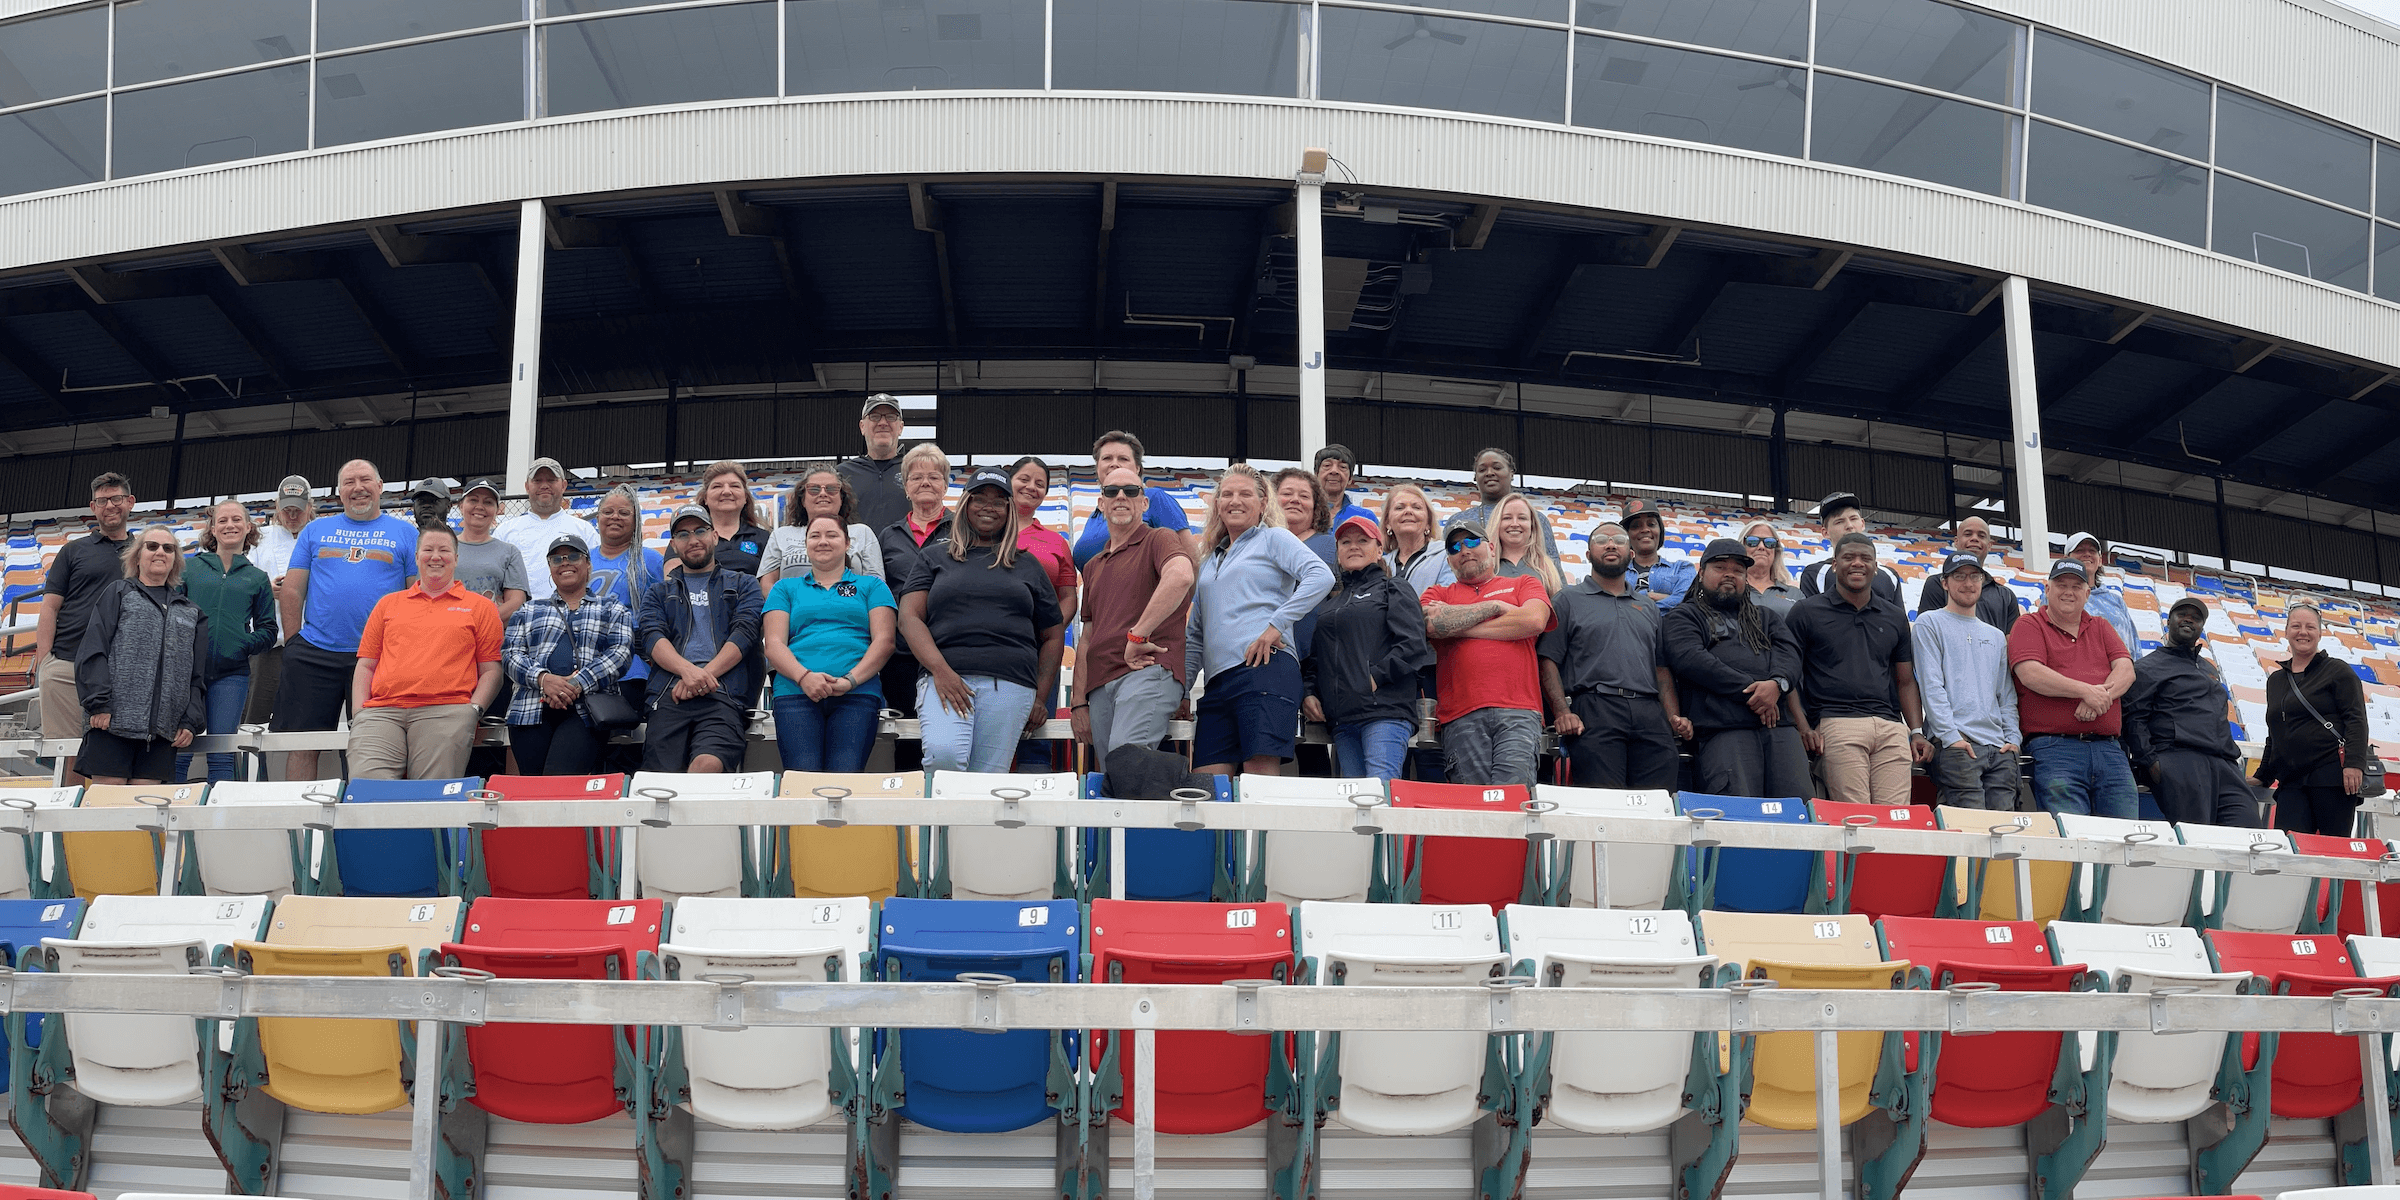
1997 606
1137 596
1484 628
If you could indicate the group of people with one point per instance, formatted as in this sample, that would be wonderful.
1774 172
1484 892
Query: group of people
1291 600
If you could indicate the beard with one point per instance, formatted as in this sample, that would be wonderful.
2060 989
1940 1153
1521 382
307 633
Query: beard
1726 603
1608 570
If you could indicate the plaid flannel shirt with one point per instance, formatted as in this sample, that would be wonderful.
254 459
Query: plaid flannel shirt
603 631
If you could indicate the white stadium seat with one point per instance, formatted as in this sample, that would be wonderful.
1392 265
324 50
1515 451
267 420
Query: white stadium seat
776 1077
20 864
692 860
2134 895
2250 903
252 862
988 862
1405 1083
1301 867
1612 1082
1639 876
147 1060
2155 1077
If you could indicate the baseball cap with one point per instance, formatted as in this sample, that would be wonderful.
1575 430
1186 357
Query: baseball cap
483 485
545 464
1725 548
2063 568
1638 507
876 401
292 493
1955 563
2078 538
688 510
1451 535
431 486
989 477
568 541
1364 522
2191 602
1836 503
1335 450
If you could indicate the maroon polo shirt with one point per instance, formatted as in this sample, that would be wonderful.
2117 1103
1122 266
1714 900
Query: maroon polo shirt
2084 656
1117 586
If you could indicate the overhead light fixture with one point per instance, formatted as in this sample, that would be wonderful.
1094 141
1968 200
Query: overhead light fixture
1383 214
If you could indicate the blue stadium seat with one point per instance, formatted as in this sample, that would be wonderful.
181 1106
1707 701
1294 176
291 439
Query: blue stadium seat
961 1082
1762 881
398 862
1164 864
23 925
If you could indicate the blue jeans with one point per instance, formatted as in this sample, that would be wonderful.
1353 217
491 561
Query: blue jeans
2085 778
833 734
1374 749
984 738
226 699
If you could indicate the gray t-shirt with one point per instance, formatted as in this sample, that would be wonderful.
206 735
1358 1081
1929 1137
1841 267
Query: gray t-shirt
488 568
700 645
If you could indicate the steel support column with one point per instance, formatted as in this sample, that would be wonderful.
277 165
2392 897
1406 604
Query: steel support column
2025 410
1308 223
525 369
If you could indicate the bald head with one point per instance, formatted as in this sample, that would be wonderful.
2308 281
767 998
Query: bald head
360 489
1974 537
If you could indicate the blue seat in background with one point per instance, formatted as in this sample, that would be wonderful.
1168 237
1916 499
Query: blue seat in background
1748 880
961 1082
399 862
1164 864
23 925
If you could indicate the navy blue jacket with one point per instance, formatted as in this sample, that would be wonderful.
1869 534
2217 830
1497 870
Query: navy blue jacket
734 605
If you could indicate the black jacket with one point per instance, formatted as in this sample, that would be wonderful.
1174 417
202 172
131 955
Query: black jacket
1996 607
734 609
2301 751
2177 703
1368 628
880 499
1713 667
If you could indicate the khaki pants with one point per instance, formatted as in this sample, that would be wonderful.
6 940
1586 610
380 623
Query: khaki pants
412 743
62 710
1866 760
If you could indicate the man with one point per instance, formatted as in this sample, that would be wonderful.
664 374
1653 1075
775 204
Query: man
2071 671
875 476
273 555
699 628
1734 661
429 502
2176 730
1997 605
489 566
1970 699
1839 516
1609 693
1496 476
79 573
1483 628
1137 597
1336 466
1119 449
544 521
1664 582
428 667
1857 708
2107 601
342 565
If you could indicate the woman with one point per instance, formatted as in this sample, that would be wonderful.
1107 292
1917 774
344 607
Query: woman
1516 537
1029 483
985 628
1770 580
1362 671
557 650
1410 549
925 479
725 493
1302 505
2316 752
1256 580
625 568
239 601
142 668
828 630
820 493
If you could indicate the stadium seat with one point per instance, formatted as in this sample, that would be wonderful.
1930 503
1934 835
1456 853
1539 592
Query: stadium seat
1985 1080
1207 1082
1611 1082
989 862
120 862
552 1074
23 925
1812 951
1639 876
573 863
1400 1083
21 857
1987 888
2243 902
251 862
1291 867
2340 909
1884 885
853 860
1493 872
2118 894
1164 864
13 1192
2316 1074
715 861
1750 880
958 1081
396 862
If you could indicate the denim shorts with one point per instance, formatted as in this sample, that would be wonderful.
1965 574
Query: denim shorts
1249 712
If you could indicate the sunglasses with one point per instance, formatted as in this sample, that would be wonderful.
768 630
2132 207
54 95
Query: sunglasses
1464 543
169 547
1766 543
1611 539
1114 491
565 556
824 489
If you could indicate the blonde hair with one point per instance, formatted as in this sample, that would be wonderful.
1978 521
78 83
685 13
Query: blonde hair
131 556
1213 537
1537 559
208 528
727 466
2300 605
962 537
1776 571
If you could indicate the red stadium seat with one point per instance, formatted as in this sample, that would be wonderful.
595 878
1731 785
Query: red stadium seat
1455 870
2353 916
551 864
13 1192
1207 1082
551 1074
2316 1074
1886 885
1985 1080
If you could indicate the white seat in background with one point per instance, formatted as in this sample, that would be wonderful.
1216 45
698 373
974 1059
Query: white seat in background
2136 895
1300 867
1405 1083
691 860
2156 1077
991 863
1612 1082
16 881
253 862
137 1059
1638 875
2251 903
772 1077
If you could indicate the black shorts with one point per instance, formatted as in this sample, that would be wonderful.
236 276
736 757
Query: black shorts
682 730
108 756
315 685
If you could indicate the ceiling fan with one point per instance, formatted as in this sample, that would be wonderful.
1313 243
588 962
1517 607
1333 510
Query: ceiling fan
1423 31
1783 77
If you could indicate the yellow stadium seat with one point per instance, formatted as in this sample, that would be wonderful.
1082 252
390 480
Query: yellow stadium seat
336 1066
120 862
1999 900
1806 950
855 860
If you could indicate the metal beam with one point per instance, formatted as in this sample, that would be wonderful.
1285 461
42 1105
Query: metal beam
1553 294
1814 272
2240 449
1960 347
745 220
19 356
1477 230
402 249
525 369
1683 325
379 323
593 233
926 213
249 269
252 337
2059 386
2169 407
1844 313
1108 229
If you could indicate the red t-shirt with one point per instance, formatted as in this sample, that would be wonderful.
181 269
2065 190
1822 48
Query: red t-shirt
1041 542
1482 673
2083 656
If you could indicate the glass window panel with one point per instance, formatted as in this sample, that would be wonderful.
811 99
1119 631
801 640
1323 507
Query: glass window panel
1898 132
49 57
343 23
1777 27
161 39
1532 10
1229 46
248 115
1689 96
1925 43
912 45
2290 234
1435 62
53 147
2112 182
660 58
2387 182
2300 152
455 84
2113 93
2387 262
563 8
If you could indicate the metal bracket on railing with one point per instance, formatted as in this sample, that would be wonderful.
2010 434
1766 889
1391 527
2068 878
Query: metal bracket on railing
8 989
1958 993
1245 1003
1737 1002
2384 865
24 805
158 805
1850 828
2000 831
248 739
2258 862
983 1012
660 817
491 808
832 794
470 992
729 1000
1012 816
1503 987
326 801
2349 1017
229 989
2158 1006
1363 820
1191 798
1533 819
2136 838
1701 817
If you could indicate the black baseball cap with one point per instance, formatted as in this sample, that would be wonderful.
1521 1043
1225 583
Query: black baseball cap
989 477
1955 563
568 541
1835 503
2062 568
1725 548
2191 602
1638 507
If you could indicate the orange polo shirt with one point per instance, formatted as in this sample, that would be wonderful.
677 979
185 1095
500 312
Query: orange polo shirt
427 648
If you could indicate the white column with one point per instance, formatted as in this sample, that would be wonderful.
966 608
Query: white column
2025 418
1308 220
525 354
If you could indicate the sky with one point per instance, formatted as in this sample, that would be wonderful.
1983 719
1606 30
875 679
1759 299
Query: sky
2389 10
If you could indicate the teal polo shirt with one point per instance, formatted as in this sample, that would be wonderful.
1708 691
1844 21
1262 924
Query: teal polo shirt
829 630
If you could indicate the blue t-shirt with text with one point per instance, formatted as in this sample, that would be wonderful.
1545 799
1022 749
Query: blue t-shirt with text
351 565
611 576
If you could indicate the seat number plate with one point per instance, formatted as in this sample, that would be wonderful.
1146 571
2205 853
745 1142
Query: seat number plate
1641 925
1031 916
621 914
2304 946
2158 941
1826 929
1446 918
824 914
1772 808
1999 935
420 912
52 912
1241 918
1494 795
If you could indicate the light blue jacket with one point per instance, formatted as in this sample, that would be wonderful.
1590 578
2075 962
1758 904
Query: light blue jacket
2108 603
1266 576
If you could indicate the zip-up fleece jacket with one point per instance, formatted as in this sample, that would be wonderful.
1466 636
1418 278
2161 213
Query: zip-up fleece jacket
1368 628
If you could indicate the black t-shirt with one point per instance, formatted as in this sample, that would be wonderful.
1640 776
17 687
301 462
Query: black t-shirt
740 552
986 619
1846 655
83 569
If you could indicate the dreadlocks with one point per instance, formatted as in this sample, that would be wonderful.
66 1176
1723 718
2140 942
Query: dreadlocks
1746 618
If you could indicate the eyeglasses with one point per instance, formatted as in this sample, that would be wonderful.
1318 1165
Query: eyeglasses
119 498
693 532
883 418
824 489
1468 542
1113 491
1611 539
168 547
1762 543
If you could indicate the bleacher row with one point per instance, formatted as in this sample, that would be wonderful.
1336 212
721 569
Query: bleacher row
1027 903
